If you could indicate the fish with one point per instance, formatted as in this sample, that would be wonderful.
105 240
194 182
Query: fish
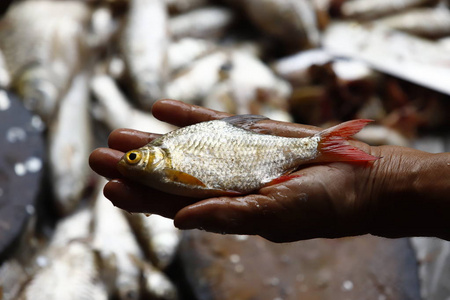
372 9
115 243
72 273
293 22
185 51
158 237
143 43
426 22
209 22
422 61
114 109
43 43
197 80
69 146
222 157
155 284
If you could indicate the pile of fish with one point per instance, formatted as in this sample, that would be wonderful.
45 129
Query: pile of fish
88 67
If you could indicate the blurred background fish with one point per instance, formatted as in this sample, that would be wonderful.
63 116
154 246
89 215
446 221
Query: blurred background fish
72 71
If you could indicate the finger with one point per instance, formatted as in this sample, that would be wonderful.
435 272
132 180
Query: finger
238 215
182 114
128 139
104 162
137 198
285 129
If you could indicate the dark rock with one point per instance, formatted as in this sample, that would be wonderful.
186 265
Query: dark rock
231 267
21 164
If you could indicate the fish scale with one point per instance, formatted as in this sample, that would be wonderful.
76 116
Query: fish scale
221 157
237 158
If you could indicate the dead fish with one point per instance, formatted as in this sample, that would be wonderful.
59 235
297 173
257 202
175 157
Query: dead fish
195 82
372 9
427 22
206 23
43 45
158 237
13 277
377 135
292 21
386 50
179 6
72 273
221 158
155 284
5 78
185 51
144 43
296 68
76 226
70 145
113 239
116 111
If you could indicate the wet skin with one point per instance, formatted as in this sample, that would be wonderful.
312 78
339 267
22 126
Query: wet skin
404 193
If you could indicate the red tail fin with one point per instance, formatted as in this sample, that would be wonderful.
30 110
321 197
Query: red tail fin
333 143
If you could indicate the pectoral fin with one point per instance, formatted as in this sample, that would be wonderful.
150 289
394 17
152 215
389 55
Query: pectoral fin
184 178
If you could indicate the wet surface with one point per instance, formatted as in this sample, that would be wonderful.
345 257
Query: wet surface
21 167
248 267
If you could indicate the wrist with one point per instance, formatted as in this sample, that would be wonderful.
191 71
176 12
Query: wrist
411 195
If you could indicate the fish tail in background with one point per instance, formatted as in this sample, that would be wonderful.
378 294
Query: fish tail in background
333 143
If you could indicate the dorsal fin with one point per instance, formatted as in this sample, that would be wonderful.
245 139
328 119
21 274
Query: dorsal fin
244 121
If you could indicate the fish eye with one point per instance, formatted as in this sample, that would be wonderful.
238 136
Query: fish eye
133 157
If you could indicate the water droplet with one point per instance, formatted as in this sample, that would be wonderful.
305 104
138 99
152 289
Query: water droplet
20 169
1 192
16 134
347 285
278 298
383 297
37 123
33 164
30 209
5 103
234 258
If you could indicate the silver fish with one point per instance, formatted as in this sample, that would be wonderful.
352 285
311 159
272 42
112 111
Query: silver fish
427 22
179 6
114 239
389 51
292 21
144 43
184 51
371 9
158 237
155 284
116 112
295 68
206 23
70 146
43 44
220 158
72 273
198 79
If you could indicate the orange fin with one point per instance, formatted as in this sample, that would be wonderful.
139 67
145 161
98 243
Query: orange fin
181 177
281 179
333 143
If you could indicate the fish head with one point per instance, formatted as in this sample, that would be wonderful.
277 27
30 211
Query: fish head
143 162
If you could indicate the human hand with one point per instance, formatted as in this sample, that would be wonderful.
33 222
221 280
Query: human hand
330 200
